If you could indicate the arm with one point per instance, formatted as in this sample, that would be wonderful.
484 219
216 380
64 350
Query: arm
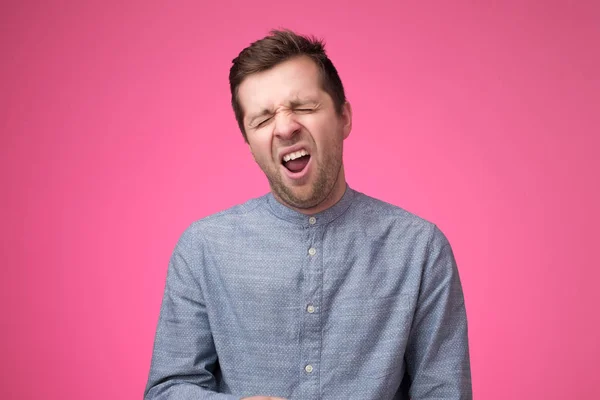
437 354
184 356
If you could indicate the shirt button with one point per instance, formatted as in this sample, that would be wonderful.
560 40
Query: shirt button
312 251
308 368
312 220
310 309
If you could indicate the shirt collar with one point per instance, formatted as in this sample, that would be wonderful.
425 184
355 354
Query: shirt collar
324 217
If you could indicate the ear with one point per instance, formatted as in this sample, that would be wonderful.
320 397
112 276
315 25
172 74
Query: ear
346 118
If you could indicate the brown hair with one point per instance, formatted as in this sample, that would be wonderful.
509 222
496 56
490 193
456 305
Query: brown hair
277 47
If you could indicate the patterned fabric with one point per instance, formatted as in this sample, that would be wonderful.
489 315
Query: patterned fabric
362 301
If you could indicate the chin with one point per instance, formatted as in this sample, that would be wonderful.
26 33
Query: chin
299 199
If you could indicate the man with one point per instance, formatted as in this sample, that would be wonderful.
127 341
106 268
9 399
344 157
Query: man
314 291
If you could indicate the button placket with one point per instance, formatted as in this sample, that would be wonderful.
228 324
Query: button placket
311 343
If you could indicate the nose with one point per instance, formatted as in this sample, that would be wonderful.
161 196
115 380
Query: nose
285 125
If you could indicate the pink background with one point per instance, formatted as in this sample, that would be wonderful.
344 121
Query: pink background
116 133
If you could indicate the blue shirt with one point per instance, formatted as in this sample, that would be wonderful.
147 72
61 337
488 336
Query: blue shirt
362 301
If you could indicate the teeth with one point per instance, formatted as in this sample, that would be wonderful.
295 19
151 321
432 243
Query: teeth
294 155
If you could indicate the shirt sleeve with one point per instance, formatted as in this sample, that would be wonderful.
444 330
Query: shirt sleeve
184 358
437 355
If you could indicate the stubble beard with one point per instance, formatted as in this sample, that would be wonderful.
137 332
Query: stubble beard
327 176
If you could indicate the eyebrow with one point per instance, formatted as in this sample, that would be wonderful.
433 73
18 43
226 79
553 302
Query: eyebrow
297 101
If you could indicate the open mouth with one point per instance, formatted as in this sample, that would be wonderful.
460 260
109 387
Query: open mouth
296 162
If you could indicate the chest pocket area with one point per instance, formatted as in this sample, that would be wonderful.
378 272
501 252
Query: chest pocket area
366 336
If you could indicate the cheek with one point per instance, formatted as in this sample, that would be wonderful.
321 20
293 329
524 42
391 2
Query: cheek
260 149
265 161
328 134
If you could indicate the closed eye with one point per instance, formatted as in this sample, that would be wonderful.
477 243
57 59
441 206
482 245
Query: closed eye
263 122
303 109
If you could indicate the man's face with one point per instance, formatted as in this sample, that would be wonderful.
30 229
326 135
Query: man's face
294 132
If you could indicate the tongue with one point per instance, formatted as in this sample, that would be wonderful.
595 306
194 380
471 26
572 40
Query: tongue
298 164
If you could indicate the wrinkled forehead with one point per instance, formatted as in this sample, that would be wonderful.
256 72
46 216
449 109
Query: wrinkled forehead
290 82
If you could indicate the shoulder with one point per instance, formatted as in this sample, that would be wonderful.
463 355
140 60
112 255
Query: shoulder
226 222
375 209
378 214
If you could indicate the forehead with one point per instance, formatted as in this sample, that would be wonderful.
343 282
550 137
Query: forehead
290 80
